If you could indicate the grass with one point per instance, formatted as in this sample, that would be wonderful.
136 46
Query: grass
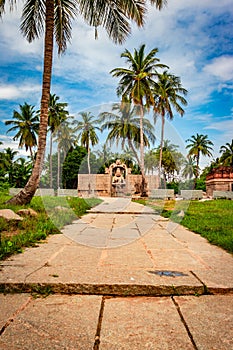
211 219
53 214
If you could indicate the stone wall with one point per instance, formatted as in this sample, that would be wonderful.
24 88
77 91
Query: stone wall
101 184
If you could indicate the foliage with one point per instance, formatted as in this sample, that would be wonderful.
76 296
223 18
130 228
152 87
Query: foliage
227 154
71 166
26 125
199 144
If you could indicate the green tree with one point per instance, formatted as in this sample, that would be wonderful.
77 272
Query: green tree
190 168
71 167
227 154
66 139
26 125
56 114
86 129
54 19
124 125
199 144
136 85
168 94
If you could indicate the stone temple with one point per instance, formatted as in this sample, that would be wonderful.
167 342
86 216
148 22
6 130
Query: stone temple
117 181
219 179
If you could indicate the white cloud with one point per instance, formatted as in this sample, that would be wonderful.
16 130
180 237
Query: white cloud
9 92
221 67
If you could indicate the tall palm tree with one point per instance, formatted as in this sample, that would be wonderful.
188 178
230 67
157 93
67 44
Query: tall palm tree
168 94
124 125
26 125
53 18
66 139
227 153
86 129
199 144
57 114
136 85
190 168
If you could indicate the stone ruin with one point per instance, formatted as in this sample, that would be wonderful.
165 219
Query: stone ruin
219 179
116 182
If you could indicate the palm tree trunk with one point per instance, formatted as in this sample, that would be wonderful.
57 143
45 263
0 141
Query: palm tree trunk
161 148
197 170
58 166
51 161
26 194
133 150
31 154
89 169
143 185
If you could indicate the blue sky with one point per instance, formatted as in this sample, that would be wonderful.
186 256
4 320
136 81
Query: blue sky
194 39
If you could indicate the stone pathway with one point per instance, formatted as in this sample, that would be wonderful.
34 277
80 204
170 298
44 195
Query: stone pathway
119 278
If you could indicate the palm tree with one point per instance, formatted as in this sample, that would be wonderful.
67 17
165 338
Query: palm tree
86 129
124 125
54 19
26 125
65 139
8 162
227 153
168 94
57 115
199 144
150 161
136 85
189 168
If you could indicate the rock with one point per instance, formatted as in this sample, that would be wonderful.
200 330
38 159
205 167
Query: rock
9 214
181 213
60 208
27 212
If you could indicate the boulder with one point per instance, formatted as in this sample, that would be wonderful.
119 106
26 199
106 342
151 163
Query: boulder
27 212
9 214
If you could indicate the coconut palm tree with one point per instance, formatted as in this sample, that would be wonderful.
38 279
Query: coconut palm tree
227 153
57 114
199 144
66 139
26 125
190 168
86 129
168 94
136 85
124 125
54 19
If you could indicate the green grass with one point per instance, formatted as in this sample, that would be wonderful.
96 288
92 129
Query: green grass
211 219
53 214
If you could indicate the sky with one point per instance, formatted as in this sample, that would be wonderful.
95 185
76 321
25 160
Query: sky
194 39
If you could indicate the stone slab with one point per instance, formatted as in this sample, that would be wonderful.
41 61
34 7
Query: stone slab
9 305
142 323
210 320
56 322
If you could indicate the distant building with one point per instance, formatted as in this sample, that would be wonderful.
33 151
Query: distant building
219 179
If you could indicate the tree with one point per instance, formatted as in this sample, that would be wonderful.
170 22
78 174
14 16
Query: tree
189 168
26 125
151 161
8 163
56 114
172 160
227 154
168 94
124 125
136 85
54 19
66 139
71 167
86 129
199 144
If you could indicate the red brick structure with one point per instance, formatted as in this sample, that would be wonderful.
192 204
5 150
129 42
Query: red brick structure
219 179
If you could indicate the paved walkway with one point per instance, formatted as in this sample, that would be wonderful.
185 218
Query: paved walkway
123 278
